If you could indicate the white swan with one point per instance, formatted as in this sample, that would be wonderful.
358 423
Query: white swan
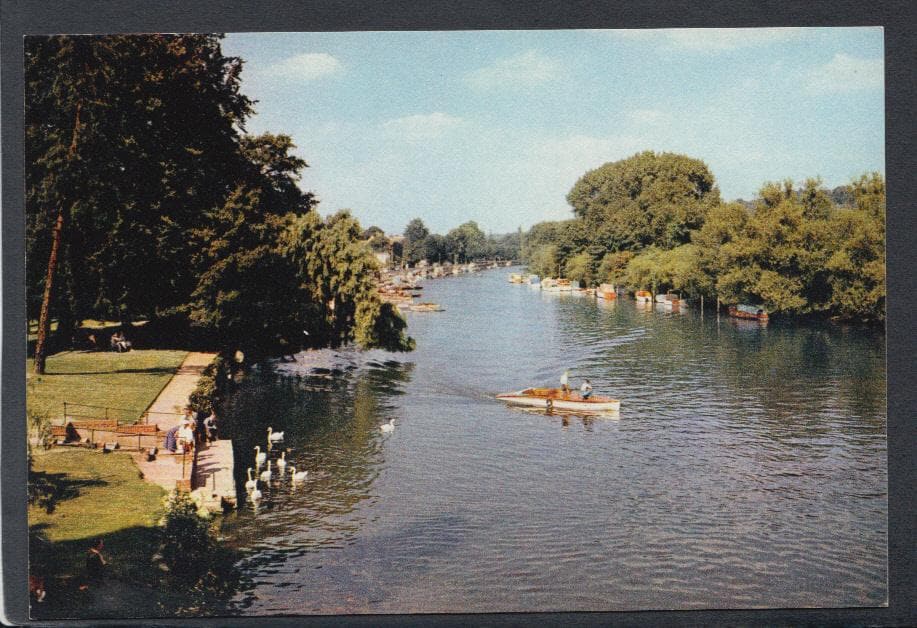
266 474
273 436
388 427
260 456
282 462
250 485
256 494
298 476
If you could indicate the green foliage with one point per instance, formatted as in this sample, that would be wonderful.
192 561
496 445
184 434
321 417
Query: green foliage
137 140
40 428
415 239
613 267
466 242
580 268
544 261
203 396
647 199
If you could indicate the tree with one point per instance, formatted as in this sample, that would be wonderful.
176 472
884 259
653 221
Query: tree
856 266
647 199
128 139
544 261
415 238
580 268
466 242
613 267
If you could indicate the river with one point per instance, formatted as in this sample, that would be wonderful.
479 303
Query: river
746 468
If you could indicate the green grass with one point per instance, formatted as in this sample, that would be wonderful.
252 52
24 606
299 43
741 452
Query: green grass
130 380
95 494
90 495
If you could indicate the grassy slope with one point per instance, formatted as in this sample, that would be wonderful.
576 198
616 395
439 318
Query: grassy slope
129 380
95 495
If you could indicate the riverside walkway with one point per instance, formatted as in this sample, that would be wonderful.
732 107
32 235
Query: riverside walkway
170 470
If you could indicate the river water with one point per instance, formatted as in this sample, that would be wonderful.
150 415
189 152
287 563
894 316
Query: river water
746 468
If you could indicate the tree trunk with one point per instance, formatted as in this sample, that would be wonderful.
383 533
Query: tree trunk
44 323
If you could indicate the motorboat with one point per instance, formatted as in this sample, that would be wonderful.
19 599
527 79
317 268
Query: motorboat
556 399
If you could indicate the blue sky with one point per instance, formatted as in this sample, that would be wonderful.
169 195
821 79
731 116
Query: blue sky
496 126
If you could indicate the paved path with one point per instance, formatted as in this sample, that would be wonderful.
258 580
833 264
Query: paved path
215 474
169 468
174 397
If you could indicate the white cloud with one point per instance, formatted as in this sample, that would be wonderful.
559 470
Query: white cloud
422 126
846 73
522 70
305 67
709 39
648 116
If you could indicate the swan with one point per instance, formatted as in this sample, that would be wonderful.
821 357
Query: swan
256 494
272 436
250 485
282 462
298 476
266 474
388 427
260 456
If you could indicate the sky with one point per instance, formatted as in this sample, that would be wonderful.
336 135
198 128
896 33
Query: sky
497 126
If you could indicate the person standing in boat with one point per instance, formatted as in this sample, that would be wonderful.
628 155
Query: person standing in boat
586 389
564 382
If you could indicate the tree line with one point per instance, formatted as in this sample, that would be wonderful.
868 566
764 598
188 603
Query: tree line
465 243
656 221
145 197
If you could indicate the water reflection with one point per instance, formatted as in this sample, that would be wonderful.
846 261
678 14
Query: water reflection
746 466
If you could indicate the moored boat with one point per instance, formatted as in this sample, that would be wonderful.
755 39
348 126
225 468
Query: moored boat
643 296
606 291
516 278
555 399
755 312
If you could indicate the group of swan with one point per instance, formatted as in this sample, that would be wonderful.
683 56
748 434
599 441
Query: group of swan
297 476
252 484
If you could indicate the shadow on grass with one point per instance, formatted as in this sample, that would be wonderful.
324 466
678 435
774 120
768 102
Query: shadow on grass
49 489
156 370
133 586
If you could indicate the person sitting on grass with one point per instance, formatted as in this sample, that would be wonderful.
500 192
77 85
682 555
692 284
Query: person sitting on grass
119 343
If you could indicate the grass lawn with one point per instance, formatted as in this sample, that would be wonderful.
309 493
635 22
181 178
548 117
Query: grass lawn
130 381
90 495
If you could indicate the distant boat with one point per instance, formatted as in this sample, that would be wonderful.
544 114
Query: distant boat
668 300
606 291
426 307
516 278
534 280
643 296
755 312
555 399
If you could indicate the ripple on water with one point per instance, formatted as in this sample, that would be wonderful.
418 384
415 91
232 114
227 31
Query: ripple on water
745 469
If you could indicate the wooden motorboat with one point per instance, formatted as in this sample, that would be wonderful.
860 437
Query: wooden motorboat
555 399
643 296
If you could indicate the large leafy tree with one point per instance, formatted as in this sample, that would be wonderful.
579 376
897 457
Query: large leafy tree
147 198
647 199
466 242
128 139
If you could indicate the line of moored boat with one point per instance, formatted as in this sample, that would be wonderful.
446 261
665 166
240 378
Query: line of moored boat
669 301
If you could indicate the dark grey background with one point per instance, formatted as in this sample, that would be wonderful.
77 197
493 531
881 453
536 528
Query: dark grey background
97 16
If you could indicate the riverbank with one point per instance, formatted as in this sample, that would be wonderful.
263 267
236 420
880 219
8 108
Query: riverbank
83 494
